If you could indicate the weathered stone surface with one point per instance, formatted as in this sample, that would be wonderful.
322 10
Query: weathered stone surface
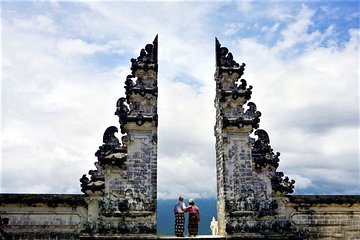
42 216
121 194
249 188
325 217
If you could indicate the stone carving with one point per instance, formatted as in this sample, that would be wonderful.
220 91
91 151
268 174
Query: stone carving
143 105
147 59
146 83
122 112
266 159
247 203
109 138
263 154
129 84
282 184
266 206
95 186
214 227
224 58
108 206
252 112
111 152
122 227
233 115
141 90
258 226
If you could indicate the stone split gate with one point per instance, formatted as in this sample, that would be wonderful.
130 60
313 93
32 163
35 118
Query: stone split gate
119 200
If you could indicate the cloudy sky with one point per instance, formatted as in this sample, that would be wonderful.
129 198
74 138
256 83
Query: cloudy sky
64 65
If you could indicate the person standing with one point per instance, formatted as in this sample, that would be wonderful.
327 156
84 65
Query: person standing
194 218
179 209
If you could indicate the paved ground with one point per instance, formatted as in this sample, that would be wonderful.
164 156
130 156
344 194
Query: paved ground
185 238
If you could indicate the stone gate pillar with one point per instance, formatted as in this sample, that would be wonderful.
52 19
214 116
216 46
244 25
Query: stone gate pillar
122 191
251 194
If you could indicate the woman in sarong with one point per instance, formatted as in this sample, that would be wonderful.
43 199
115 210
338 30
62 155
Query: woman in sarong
179 217
194 218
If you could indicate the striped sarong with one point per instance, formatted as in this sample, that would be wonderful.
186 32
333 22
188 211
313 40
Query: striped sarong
193 224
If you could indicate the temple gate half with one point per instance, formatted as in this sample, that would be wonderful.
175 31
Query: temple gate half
121 193
250 191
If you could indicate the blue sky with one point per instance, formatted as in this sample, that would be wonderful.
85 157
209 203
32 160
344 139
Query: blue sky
64 65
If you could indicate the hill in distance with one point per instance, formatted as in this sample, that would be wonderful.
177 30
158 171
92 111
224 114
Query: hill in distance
166 219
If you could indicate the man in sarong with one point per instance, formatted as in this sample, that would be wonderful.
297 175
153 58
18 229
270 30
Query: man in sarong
179 217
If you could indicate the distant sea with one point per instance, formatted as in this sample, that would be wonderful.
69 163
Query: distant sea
165 216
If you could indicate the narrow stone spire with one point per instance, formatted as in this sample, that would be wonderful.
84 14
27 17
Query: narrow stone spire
250 191
122 191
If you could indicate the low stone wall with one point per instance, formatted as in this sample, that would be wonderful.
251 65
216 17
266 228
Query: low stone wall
42 216
325 216
62 216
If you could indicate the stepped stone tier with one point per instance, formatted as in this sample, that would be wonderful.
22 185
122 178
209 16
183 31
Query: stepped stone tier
119 194
250 191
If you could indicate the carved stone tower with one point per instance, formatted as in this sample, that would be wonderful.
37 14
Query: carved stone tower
251 194
122 191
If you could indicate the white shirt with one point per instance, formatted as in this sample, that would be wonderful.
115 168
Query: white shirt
179 207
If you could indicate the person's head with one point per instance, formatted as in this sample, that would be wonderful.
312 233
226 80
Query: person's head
181 199
191 202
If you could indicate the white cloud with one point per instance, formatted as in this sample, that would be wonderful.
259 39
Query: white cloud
233 28
245 6
41 23
270 30
57 105
79 46
296 32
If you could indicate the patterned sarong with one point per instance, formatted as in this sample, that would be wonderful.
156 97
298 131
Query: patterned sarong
179 224
193 223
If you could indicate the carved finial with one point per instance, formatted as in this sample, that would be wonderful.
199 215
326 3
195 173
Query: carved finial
224 57
148 57
252 111
155 52
282 184
109 136
122 112
263 139
108 152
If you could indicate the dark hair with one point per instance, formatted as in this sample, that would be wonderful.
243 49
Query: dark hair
191 203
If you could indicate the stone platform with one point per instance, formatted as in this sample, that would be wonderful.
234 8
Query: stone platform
186 238
166 237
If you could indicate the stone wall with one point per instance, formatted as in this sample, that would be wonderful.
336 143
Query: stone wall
42 216
62 216
325 216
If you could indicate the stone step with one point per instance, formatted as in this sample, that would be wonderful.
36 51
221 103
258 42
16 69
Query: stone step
204 237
